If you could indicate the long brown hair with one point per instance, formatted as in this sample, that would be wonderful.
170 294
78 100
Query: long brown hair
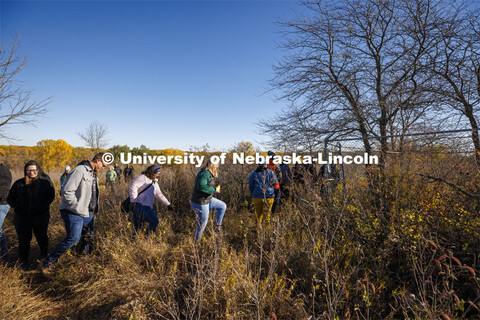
212 168
150 172
32 184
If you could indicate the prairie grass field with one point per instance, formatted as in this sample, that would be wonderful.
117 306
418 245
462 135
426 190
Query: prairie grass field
386 244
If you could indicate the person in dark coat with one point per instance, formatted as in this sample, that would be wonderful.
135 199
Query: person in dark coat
30 197
118 171
129 173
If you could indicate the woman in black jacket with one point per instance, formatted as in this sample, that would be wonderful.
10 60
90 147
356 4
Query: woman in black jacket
30 197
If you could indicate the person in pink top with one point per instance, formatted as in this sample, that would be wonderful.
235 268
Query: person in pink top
143 192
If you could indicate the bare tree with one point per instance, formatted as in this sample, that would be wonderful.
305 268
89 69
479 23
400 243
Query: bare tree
95 135
16 104
455 62
356 66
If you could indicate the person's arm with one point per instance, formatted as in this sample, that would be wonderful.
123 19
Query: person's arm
71 185
251 182
203 181
273 178
12 198
159 195
50 193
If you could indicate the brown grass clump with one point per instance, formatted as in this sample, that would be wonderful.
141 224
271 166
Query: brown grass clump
18 298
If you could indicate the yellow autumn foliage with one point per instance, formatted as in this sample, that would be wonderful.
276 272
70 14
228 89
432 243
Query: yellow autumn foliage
54 153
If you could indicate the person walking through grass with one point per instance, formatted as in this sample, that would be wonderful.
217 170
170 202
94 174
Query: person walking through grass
63 177
203 201
31 197
143 192
110 178
79 204
5 182
278 174
261 183
118 171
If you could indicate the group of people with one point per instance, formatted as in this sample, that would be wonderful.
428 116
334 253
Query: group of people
31 196
114 175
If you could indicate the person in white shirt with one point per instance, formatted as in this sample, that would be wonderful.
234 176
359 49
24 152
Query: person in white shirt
143 211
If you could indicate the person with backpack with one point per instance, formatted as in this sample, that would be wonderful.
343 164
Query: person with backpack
30 197
261 183
5 182
143 192
203 201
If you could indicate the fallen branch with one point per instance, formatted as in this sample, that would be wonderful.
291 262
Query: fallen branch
477 197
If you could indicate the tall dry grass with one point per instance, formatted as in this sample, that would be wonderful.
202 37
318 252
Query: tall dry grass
411 253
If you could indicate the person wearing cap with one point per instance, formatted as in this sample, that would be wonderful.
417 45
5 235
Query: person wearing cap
63 177
261 183
79 204
203 201
5 183
31 197
143 192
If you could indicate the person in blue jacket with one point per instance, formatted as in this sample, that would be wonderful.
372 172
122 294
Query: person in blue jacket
261 183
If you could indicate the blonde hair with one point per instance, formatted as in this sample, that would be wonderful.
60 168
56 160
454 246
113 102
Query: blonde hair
213 168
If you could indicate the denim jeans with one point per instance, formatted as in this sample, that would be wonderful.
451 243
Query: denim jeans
86 243
3 242
143 214
203 210
24 226
73 227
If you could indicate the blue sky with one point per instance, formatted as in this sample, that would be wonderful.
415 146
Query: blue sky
159 73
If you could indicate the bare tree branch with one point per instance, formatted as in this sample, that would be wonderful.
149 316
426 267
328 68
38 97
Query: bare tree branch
16 103
95 135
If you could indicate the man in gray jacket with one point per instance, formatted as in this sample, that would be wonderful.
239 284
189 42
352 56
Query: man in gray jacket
79 203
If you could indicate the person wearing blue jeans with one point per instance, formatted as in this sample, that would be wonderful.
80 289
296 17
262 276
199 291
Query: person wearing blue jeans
79 204
203 201
3 242
143 191
202 212
74 224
